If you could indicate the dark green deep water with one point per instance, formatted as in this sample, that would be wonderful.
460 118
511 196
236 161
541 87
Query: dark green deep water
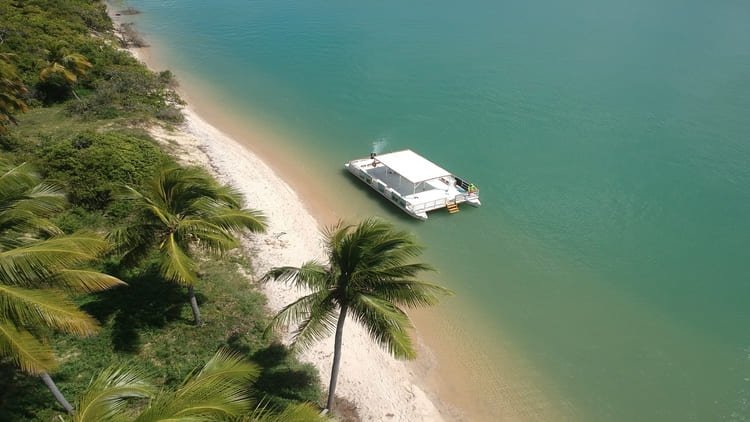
610 141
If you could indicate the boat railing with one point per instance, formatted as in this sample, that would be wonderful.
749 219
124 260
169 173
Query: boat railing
428 206
467 186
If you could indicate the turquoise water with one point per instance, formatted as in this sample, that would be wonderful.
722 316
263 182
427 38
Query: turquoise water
610 141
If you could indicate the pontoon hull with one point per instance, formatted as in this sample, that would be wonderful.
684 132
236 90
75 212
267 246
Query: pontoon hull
414 199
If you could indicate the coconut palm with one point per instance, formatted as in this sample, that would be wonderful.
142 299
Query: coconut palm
180 210
370 275
37 273
12 91
65 67
218 392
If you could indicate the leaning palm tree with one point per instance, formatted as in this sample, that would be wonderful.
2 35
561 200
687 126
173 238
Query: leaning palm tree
370 274
218 392
180 210
65 67
39 267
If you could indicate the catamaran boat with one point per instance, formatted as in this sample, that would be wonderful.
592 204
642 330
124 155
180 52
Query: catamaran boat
414 183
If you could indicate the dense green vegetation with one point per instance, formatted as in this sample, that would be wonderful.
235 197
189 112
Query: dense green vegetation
40 268
119 268
219 391
78 150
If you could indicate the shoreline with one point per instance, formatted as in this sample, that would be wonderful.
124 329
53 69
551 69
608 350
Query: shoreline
293 236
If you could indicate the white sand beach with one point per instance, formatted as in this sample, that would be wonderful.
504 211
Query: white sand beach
381 387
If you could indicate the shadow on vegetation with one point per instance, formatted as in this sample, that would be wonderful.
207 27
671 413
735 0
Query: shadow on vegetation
147 302
282 380
20 395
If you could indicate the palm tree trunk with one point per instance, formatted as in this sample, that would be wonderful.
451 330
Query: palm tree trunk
336 357
194 305
56 392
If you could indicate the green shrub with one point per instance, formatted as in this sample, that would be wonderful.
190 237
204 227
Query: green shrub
91 166
130 90
77 218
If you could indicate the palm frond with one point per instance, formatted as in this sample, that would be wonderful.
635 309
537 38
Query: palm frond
300 412
56 69
228 366
311 275
107 395
313 317
77 62
135 242
176 265
151 208
402 271
294 313
207 235
387 325
35 203
32 263
19 226
409 293
24 202
319 323
44 199
16 179
334 236
237 220
87 281
44 307
219 390
28 353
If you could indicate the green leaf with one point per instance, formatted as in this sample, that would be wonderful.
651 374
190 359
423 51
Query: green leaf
44 307
28 353
176 265
87 281
219 390
107 395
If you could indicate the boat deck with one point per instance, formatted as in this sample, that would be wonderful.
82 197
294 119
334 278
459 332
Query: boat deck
414 183
431 190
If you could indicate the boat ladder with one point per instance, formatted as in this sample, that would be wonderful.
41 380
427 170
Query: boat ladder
452 207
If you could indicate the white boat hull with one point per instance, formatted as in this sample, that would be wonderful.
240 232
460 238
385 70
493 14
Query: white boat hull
431 195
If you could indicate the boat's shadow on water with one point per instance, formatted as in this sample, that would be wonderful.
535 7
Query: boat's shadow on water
383 207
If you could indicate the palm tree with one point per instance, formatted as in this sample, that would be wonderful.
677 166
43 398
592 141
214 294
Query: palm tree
371 276
38 273
65 67
218 392
182 209
12 91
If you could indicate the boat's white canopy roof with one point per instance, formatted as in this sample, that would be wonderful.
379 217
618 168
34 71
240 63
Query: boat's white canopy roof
412 166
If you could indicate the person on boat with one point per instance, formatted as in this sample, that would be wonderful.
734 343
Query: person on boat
472 188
